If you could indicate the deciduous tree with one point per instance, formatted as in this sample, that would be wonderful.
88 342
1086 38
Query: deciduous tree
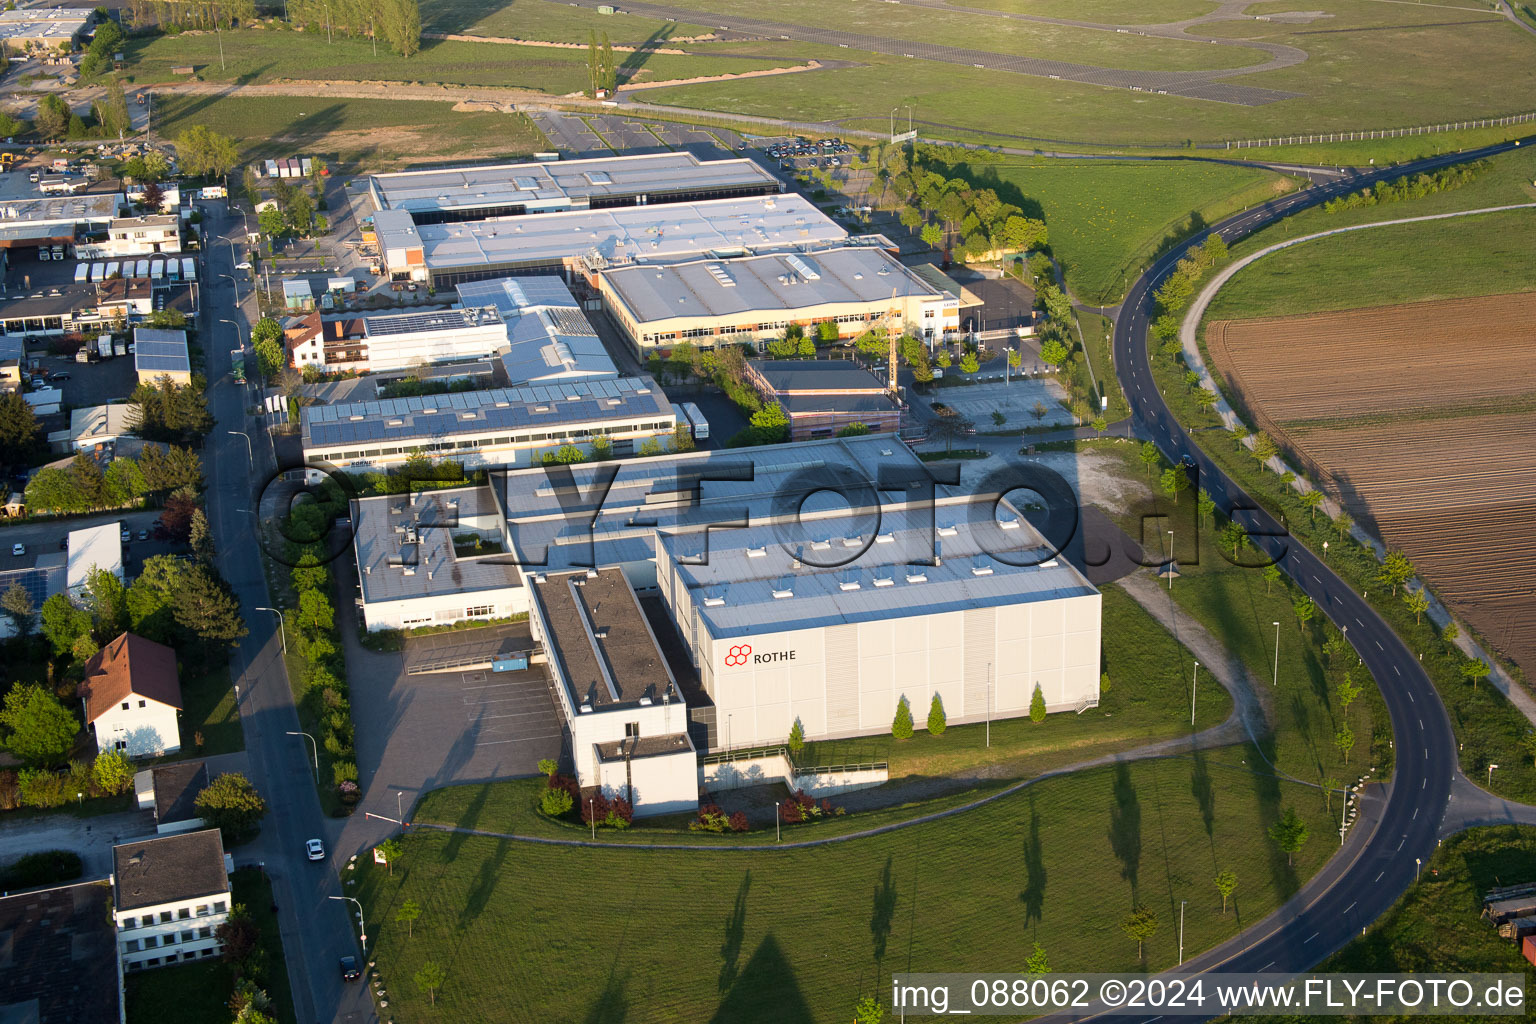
1226 884
406 914
429 978
38 729
1290 833
1140 924
231 804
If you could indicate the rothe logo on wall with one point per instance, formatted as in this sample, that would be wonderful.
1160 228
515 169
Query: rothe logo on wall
741 654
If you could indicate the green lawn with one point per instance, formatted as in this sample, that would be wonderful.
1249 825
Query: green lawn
376 133
264 55
996 35
1484 255
650 935
1373 65
198 993
1106 219
547 19
210 711
1107 12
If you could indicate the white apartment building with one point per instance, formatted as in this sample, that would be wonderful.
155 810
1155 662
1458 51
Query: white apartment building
141 236
170 894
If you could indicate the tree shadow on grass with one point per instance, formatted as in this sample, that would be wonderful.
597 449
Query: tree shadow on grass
1266 789
735 928
1125 825
884 911
485 885
468 819
1205 795
1033 896
766 991
611 1005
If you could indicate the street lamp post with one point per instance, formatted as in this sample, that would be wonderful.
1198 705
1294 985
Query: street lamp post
1181 930
312 746
282 630
329 37
1325 551
248 455
1193 682
1276 681
1170 561
592 818
236 284
399 808
1491 767
362 927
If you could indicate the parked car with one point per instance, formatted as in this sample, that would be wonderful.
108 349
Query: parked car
143 535
243 265
18 550
58 376
314 850
349 969
127 535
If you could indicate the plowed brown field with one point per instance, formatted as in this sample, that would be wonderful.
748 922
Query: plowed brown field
1421 420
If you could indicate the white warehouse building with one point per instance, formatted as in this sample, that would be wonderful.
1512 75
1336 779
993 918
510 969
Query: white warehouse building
777 639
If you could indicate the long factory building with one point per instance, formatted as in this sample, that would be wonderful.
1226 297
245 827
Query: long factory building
456 194
584 243
756 298
800 610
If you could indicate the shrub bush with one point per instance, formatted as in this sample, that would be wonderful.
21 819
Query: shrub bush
47 867
343 771
41 788
556 803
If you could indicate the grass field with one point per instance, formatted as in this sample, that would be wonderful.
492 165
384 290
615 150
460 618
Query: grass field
1108 12
379 133
1372 65
197 993
1446 259
210 710
650 935
1106 219
993 34
264 55
547 19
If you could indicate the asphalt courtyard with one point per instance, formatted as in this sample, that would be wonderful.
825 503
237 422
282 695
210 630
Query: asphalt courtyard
420 732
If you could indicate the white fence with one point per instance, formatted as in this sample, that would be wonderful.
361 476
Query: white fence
1380 133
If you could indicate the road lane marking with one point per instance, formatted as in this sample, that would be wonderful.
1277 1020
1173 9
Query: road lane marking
1400 672
1350 907
1378 877
1309 938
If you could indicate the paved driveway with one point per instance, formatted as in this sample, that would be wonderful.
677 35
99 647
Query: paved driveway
92 838
420 732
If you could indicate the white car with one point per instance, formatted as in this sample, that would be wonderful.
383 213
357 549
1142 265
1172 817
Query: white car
315 849
243 265
18 550
127 535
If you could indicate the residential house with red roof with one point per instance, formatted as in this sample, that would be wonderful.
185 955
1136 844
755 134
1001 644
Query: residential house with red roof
133 697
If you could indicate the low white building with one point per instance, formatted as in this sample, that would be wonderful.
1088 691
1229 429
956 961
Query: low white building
627 717
418 562
97 547
92 425
170 894
500 427
132 697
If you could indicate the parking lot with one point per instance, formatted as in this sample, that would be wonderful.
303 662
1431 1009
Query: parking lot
594 135
41 538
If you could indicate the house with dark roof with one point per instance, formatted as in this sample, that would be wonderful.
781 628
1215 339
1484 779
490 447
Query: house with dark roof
58 960
133 697
170 894
822 396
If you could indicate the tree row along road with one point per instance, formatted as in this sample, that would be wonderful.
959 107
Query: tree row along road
1382 858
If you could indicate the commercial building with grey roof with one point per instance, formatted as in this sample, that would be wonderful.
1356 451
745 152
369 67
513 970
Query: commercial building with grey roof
756 298
500 427
626 715
590 242
549 338
456 194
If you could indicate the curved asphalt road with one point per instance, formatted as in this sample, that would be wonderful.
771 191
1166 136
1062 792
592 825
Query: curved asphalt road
1355 888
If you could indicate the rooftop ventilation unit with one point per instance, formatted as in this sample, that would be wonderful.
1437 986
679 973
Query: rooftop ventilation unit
1008 524
803 267
721 276
713 602
780 593
947 531
885 538
917 576
981 567
853 541
757 552
885 581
